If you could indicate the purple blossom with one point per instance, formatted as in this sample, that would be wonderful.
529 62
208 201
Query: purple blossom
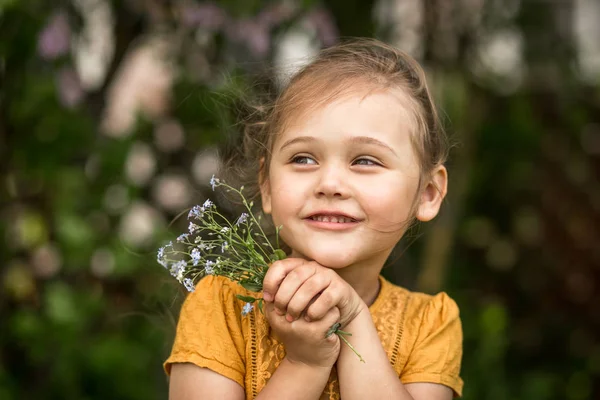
70 91
276 14
182 238
207 204
55 39
207 15
323 22
253 34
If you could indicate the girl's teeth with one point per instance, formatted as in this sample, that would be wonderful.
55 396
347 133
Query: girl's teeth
338 220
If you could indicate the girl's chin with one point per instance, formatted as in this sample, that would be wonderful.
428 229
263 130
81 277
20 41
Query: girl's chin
328 259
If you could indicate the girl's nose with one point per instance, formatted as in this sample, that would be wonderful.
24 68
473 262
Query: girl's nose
332 183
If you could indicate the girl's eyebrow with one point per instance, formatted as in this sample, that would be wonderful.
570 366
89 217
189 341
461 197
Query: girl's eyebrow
354 139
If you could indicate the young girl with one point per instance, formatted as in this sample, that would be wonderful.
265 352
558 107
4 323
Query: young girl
350 154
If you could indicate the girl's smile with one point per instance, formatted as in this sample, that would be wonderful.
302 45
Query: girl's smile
332 220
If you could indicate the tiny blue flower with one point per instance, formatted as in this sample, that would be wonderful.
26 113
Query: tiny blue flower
195 256
243 218
161 257
196 212
193 227
182 238
208 268
178 269
189 284
224 247
213 182
247 308
207 204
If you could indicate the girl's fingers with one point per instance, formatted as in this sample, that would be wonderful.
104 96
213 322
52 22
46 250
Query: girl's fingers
307 293
330 298
273 318
290 285
331 317
276 274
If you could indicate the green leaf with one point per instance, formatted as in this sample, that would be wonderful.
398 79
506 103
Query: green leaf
247 299
260 305
251 286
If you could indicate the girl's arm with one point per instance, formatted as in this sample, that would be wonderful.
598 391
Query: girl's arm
296 381
310 356
191 382
376 379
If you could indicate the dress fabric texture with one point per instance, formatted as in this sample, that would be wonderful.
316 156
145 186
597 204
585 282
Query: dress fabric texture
421 334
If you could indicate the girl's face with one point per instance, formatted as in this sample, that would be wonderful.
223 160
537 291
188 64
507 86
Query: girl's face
343 181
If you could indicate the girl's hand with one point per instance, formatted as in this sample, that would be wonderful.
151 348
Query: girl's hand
302 289
305 342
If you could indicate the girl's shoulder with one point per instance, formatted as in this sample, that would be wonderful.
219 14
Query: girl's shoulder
213 284
425 337
220 292
416 307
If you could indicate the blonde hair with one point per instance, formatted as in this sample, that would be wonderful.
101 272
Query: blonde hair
355 65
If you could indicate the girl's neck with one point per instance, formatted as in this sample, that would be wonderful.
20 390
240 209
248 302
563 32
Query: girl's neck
364 279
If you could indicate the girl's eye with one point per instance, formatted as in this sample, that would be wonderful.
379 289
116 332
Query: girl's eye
303 160
365 161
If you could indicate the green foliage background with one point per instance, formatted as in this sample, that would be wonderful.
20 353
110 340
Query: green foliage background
87 313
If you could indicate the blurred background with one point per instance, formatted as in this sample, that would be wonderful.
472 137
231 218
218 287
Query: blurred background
111 113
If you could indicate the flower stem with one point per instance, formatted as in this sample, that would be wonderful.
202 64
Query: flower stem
341 335
335 328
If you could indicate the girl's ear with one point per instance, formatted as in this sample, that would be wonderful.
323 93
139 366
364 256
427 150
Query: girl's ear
265 188
433 194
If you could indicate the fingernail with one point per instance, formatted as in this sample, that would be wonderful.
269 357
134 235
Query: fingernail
267 296
289 318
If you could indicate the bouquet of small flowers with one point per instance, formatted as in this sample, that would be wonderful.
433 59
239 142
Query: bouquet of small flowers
240 251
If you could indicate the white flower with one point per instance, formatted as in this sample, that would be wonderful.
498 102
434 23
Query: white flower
193 227
213 182
225 229
207 204
224 247
247 308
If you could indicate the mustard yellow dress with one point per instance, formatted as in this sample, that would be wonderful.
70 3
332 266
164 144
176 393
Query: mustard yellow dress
421 334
